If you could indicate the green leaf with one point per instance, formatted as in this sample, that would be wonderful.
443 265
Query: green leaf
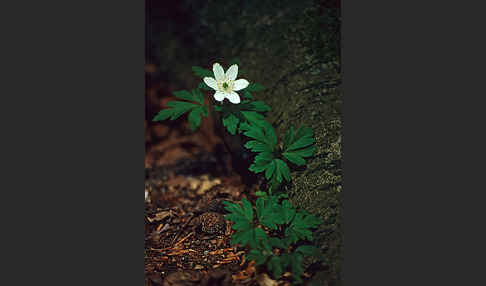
262 237
275 266
183 94
288 138
282 170
255 87
306 152
179 108
270 132
257 168
241 225
247 94
247 209
199 71
198 96
260 106
256 146
270 170
257 256
288 211
242 237
231 122
296 265
294 158
303 138
259 207
308 250
204 86
277 242
263 158
260 194
256 133
194 118
254 118
163 115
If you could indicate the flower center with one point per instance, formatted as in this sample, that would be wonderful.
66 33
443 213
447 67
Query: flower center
226 86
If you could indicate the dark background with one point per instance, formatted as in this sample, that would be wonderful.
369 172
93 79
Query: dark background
73 143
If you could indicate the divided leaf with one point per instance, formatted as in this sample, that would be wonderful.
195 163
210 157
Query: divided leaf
299 145
177 108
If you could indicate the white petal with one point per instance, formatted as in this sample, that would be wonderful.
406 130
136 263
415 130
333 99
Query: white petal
218 72
211 82
219 95
233 97
232 72
240 84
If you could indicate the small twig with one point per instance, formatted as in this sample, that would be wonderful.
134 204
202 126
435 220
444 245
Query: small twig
182 240
183 227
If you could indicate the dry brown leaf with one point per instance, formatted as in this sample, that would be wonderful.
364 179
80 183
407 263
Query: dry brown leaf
160 216
265 280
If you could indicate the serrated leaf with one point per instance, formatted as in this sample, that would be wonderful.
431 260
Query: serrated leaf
301 143
198 96
262 237
183 94
275 266
256 146
247 209
277 242
257 256
255 133
231 122
163 115
270 170
255 87
263 158
201 72
270 132
306 152
247 94
288 138
259 207
179 108
260 106
282 170
296 266
194 118
254 118
241 225
294 158
288 211
257 168
242 237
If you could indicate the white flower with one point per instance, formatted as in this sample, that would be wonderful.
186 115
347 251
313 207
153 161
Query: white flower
225 84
